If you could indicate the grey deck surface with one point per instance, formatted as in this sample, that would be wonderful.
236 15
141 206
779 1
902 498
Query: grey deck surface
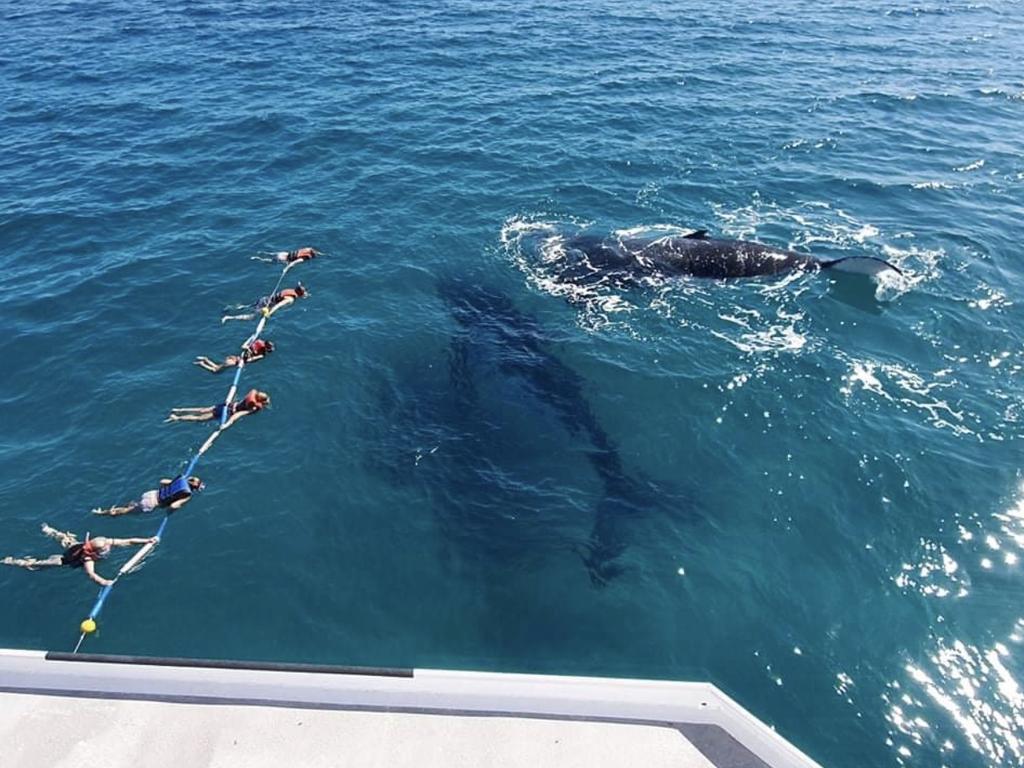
41 731
67 711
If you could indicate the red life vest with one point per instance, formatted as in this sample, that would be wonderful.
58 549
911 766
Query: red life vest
78 555
258 347
250 403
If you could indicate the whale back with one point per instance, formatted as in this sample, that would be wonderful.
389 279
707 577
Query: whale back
696 255
702 256
593 258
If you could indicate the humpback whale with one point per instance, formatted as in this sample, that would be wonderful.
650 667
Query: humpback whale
487 484
699 255
490 319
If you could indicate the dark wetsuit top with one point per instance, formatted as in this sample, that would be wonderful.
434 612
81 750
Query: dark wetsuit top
78 555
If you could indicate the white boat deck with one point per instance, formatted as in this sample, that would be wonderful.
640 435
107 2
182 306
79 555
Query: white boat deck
58 710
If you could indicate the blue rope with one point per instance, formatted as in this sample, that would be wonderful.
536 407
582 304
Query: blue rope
106 590
191 465
98 605
234 388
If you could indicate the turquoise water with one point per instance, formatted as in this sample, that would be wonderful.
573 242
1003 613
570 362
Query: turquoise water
805 489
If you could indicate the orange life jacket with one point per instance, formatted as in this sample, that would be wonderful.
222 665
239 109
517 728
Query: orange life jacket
303 254
78 555
250 403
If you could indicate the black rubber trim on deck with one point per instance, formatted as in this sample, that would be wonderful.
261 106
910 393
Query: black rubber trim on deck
718 746
256 666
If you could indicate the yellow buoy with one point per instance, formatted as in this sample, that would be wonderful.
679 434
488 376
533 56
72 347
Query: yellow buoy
88 626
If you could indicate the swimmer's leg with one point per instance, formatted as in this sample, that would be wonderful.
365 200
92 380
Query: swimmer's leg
190 416
64 538
248 316
53 561
127 509
207 364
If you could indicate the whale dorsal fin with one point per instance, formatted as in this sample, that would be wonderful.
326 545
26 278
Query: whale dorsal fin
700 234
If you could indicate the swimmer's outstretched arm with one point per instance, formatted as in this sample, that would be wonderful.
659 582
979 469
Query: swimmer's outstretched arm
133 542
90 570
235 417
89 566
282 303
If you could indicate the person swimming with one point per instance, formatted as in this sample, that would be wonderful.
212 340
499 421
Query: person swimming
171 495
253 402
77 554
291 257
268 305
255 351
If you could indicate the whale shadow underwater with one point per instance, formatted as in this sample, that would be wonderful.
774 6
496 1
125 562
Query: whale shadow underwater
697 255
493 328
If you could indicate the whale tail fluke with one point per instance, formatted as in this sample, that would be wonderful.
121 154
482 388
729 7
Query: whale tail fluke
602 567
861 265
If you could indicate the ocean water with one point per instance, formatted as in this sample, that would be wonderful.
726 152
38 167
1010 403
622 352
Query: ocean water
806 489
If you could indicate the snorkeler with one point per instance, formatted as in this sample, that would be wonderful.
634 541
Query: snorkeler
253 402
255 351
268 305
171 495
77 554
291 257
